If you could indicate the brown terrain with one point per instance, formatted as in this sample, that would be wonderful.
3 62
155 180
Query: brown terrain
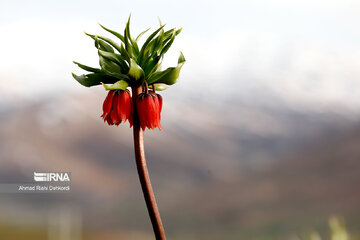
222 172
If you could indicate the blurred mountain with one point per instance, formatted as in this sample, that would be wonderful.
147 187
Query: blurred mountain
220 169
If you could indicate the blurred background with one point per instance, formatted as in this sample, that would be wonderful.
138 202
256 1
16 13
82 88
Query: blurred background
260 136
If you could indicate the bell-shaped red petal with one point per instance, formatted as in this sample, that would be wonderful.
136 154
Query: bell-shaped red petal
140 105
157 107
148 107
107 104
160 108
118 107
160 101
124 105
108 120
114 110
131 112
129 107
152 112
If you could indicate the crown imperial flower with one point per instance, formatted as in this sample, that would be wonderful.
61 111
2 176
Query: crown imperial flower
149 110
117 107
125 64
128 65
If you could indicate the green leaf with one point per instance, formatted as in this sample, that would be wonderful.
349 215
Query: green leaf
116 75
156 44
142 33
168 76
126 38
111 42
151 65
168 37
159 21
129 63
171 30
181 58
127 35
100 44
159 86
108 65
135 70
121 37
178 31
93 79
135 47
117 59
87 68
141 54
168 45
153 48
119 85
124 53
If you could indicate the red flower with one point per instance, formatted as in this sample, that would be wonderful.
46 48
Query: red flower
117 107
149 110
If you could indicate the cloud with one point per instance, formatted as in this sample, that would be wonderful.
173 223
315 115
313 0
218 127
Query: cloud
37 59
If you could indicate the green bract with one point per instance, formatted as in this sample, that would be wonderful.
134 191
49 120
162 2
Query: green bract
123 63
116 86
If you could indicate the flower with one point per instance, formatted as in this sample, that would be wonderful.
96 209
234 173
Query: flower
149 110
117 107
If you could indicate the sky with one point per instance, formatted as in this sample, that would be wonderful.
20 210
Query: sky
303 53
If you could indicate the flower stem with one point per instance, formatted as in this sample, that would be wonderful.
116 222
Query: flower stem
143 172
146 87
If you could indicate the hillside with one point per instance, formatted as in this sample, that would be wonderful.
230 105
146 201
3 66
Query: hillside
243 170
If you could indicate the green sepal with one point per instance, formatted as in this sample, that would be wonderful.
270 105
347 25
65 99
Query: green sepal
135 71
168 76
93 79
119 85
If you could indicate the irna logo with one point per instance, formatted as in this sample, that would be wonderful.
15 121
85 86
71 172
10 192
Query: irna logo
52 177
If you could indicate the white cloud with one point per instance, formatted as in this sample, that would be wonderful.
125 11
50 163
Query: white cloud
37 58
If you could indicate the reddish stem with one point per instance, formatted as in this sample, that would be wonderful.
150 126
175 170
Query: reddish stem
146 87
143 172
